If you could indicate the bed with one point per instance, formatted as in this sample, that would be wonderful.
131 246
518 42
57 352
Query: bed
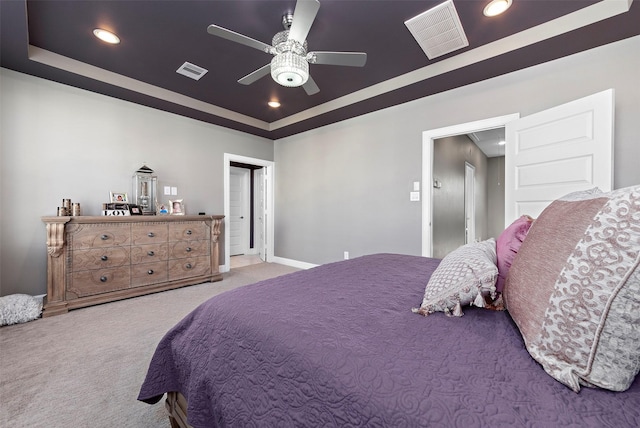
338 345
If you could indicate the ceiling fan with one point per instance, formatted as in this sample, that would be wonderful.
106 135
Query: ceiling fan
290 64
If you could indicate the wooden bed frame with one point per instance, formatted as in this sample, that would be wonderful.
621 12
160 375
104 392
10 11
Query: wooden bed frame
176 405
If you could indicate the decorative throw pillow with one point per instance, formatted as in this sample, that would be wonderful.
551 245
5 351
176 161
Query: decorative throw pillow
574 289
507 247
465 276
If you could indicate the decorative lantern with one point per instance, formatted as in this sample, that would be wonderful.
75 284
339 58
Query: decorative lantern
144 190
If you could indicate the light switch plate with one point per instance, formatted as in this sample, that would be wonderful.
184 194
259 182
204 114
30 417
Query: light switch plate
414 196
174 190
167 190
416 186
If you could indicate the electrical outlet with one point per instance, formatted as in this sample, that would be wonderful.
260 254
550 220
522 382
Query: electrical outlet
174 190
346 255
167 190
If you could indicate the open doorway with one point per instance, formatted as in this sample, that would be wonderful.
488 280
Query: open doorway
548 154
472 133
245 219
248 209
466 174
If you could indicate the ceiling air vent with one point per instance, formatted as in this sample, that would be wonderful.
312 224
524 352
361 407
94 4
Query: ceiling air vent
191 70
438 31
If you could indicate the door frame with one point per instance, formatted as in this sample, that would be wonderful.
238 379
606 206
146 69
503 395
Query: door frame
428 138
269 167
246 207
469 202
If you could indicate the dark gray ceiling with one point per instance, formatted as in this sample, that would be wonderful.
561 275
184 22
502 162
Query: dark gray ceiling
159 36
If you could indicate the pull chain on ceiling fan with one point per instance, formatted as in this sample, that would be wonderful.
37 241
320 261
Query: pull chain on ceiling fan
290 64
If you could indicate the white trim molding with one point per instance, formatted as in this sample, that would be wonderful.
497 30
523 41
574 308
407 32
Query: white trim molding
293 263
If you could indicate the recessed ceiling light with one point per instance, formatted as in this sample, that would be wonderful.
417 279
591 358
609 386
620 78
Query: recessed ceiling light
106 36
496 7
273 104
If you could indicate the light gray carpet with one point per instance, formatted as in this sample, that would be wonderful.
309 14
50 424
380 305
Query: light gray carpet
85 368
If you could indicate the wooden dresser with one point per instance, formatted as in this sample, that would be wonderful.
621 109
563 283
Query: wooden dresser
94 260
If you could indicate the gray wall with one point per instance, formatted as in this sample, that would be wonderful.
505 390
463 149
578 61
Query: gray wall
61 142
448 213
495 196
343 187
346 186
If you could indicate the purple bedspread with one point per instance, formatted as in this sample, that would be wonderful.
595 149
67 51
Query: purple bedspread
338 345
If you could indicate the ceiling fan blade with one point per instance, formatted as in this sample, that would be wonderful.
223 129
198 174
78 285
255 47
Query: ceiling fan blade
303 17
310 87
350 59
256 75
238 38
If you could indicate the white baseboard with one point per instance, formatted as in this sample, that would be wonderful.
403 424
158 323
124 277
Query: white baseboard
292 263
280 260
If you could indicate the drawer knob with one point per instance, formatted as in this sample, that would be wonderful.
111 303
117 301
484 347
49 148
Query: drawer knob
150 271
104 237
151 253
104 258
188 266
103 279
151 234
189 232
188 249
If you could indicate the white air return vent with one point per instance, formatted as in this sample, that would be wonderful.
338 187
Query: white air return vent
438 31
191 70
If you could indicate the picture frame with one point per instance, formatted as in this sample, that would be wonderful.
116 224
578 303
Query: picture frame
163 209
120 197
135 210
176 207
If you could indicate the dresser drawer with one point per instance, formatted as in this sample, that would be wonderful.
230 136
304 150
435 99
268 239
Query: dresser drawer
182 249
91 282
185 268
149 253
149 233
99 258
148 273
98 236
193 230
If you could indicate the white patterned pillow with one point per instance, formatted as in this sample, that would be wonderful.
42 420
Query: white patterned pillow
465 276
574 289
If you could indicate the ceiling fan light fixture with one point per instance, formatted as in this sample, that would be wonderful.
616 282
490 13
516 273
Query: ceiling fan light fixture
289 69
496 7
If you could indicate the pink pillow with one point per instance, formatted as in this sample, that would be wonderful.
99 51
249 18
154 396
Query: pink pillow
507 247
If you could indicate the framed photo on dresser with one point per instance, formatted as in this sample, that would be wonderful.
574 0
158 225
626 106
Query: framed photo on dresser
176 207
122 197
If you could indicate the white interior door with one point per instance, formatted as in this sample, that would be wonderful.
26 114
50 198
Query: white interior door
469 203
557 151
238 211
